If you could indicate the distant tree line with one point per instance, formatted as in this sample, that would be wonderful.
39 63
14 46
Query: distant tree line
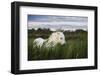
45 33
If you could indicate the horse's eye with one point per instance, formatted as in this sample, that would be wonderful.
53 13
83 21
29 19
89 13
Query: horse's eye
61 38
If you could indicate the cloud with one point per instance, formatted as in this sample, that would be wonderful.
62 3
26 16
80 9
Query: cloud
48 18
57 22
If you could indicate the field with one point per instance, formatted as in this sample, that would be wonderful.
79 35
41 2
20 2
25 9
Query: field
75 47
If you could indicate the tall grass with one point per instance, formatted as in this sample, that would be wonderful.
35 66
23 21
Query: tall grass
75 47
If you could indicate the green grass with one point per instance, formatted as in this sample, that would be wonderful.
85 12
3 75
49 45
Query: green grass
75 47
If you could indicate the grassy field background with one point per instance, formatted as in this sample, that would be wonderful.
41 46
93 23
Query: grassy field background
75 47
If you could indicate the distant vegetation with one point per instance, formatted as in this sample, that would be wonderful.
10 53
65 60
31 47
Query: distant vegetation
76 45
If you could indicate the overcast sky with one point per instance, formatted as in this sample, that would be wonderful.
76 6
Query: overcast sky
56 22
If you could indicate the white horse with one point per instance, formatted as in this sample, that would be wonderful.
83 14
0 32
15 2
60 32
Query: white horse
54 39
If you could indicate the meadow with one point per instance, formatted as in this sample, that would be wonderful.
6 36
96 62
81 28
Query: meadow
76 46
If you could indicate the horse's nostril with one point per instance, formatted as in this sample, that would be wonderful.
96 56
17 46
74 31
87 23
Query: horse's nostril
64 43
